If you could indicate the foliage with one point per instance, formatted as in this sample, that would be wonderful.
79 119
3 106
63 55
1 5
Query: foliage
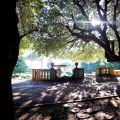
20 67
56 26
31 55
21 76
25 45
85 52
114 65
91 66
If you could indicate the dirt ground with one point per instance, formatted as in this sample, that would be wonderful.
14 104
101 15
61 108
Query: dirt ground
89 100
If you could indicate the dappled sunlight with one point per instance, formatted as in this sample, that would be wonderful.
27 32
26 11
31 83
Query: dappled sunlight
16 93
56 92
53 88
101 116
102 102
24 94
88 110
107 78
47 112
27 93
26 103
72 96
34 109
16 97
24 116
80 100
58 86
58 96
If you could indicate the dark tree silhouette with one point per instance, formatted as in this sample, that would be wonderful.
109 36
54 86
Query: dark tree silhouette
9 50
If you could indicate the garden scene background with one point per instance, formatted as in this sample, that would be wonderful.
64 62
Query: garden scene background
65 32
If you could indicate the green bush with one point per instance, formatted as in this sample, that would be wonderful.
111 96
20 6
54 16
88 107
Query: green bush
20 67
22 76
91 67
25 76
15 75
68 74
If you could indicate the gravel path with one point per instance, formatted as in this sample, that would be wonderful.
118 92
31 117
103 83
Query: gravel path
28 92
37 100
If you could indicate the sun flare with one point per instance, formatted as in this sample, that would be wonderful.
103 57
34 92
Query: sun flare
95 22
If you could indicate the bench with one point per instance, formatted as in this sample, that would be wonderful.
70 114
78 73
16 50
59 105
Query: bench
107 71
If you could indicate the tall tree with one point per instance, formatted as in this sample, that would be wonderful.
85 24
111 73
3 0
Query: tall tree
9 49
100 24
75 21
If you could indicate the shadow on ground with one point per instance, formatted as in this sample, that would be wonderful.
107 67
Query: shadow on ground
102 109
66 100
30 92
107 78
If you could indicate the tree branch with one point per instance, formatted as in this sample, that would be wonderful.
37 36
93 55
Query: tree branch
73 42
108 1
29 32
76 2
105 10
74 25
115 8
99 9
88 38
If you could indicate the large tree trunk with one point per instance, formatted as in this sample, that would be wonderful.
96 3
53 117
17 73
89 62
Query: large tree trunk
9 49
111 57
110 53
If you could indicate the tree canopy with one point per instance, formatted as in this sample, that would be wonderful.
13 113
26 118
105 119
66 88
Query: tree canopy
80 26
